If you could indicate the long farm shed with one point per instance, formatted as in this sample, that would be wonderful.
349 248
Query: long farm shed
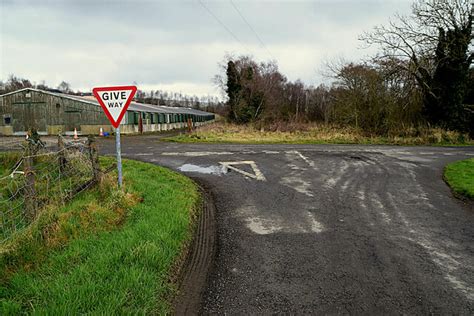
53 113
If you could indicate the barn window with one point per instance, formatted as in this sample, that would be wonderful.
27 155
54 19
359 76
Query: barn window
7 119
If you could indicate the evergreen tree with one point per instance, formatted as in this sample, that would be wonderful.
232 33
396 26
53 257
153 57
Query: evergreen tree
444 106
233 88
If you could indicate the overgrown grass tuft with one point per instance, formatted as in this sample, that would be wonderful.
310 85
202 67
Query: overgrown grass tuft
317 134
106 252
7 161
460 177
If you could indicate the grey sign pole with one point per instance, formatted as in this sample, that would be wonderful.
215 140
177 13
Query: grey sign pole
119 157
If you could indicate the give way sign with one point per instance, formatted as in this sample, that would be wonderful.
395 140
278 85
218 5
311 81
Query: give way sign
115 101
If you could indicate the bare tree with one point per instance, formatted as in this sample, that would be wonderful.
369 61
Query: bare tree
416 37
64 87
432 45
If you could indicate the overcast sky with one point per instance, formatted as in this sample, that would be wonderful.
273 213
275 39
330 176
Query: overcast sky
177 45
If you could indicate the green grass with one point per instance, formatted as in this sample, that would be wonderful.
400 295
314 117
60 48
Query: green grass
52 186
7 161
3 170
316 134
106 252
460 177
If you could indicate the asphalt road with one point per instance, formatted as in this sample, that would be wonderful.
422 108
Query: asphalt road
329 229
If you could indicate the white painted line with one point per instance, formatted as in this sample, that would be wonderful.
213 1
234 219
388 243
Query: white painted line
245 173
306 159
316 226
198 153
243 162
258 175
144 154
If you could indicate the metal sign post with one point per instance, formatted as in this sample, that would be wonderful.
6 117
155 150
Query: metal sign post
119 156
115 101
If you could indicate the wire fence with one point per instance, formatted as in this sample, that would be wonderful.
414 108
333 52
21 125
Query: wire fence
34 173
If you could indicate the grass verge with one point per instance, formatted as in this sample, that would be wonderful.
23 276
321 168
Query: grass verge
316 134
460 177
105 252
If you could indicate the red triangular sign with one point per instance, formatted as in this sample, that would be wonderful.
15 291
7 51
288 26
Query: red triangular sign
115 101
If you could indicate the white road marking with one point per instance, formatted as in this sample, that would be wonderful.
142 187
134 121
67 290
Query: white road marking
316 226
306 159
144 154
260 227
261 224
376 202
338 173
297 184
258 175
198 153
448 263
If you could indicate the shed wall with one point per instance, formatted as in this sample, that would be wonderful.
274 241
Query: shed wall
53 114
46 113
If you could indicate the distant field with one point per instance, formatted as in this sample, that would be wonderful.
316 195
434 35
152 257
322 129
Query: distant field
106 252
314 134
460 177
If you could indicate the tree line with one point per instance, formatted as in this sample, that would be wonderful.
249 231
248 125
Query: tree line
423 76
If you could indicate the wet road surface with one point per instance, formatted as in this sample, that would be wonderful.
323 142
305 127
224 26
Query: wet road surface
332 229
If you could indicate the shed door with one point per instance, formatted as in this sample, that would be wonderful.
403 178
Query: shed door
31 115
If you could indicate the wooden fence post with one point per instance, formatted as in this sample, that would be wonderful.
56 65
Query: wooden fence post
94 157
61 154
190 125
30 192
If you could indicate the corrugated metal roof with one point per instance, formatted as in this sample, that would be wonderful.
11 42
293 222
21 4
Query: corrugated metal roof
134 106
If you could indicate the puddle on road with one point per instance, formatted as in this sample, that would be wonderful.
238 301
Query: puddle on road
201 169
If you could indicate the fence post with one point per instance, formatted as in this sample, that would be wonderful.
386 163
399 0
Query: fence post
61 154
190 125
30 192
94 157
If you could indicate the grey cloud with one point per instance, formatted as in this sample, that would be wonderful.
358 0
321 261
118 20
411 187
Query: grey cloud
91 42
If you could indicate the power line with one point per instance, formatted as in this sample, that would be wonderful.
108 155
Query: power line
251 28
223 25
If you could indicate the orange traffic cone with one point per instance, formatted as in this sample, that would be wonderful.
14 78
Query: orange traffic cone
101 132
75 133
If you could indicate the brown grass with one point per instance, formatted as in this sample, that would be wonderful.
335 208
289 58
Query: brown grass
312 133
